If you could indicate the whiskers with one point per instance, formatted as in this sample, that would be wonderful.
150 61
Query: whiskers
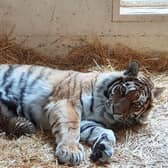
130 122
125 122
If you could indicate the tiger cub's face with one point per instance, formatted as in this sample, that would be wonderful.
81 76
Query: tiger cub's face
130 99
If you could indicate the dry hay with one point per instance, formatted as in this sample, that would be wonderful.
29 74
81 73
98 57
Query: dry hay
146 147
83 57
96 53
13 53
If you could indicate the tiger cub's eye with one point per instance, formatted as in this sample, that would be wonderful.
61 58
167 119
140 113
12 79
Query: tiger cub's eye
117 90
123 90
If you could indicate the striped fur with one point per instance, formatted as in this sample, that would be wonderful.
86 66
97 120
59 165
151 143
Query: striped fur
76 106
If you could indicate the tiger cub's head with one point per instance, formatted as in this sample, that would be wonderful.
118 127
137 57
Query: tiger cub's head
131 98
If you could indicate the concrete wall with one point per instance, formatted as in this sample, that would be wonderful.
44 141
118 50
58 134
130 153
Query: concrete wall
51 25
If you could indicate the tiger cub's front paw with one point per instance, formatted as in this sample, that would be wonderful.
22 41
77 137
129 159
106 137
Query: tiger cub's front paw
71 154
102 152
102 149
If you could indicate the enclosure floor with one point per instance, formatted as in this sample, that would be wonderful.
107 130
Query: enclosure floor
144 147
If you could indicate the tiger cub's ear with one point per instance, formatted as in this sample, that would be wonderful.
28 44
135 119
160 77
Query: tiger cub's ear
133 69
157 91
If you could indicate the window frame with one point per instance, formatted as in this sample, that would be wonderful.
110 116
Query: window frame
117 17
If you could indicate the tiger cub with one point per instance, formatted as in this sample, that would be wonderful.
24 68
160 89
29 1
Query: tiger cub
75 106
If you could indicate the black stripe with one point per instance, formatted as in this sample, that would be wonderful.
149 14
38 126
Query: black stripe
84 127
98 122
23 88
8 87
21 85
38 77
103 137
113 109
81 101
56 123
74 86
61 83
109 86
106 94
7 74
92 99
71 159
9 84
21 78
69 82
76 159
48 116
56 132
90 133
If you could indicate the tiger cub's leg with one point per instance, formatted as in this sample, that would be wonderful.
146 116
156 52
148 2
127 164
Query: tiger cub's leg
65 125
101 140
16 126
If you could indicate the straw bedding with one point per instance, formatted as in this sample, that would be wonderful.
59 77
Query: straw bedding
141 147
83 57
